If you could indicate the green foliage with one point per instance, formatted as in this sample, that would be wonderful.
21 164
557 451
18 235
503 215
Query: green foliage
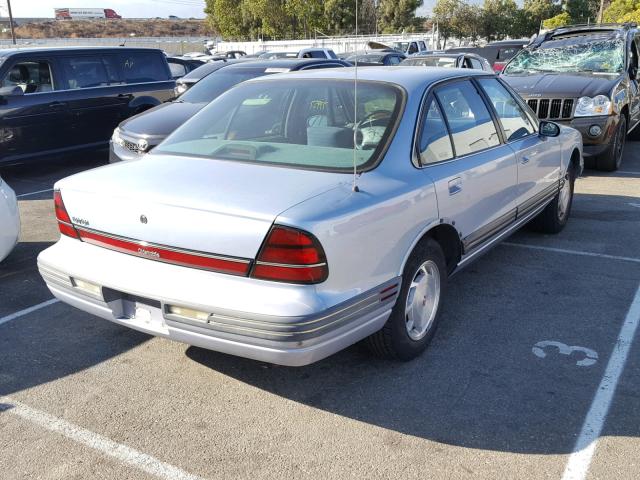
582 11
398 15
620 9
559 20
631 17
245 19
497 18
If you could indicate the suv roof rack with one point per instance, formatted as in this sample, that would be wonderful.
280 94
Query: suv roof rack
582 27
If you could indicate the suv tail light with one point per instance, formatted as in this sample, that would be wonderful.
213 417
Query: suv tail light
498 67
64 221
291 255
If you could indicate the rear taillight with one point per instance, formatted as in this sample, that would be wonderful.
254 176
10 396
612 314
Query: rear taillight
291 255
499 66
64 221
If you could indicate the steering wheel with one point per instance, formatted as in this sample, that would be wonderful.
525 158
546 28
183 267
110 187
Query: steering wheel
370 129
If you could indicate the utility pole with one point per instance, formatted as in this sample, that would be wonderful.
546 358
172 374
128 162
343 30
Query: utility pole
13 32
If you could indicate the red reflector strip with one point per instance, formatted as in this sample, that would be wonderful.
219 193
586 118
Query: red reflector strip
67 230
166 254
279 273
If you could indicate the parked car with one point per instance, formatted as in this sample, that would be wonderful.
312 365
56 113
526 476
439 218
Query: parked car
377 58
497 53
9 220
449 60
180 66
139 134
585 76
230 55
247 232
410 48
60 100
190 79
317 53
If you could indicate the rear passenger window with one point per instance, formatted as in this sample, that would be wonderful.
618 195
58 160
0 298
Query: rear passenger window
177 70
84 72
28 77
141 67
475 63
435 143
471 125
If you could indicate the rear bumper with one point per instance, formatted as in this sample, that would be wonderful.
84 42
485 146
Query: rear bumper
294 327
9 220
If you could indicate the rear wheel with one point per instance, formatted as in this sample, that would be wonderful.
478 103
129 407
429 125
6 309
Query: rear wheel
556 215
612 158
414 317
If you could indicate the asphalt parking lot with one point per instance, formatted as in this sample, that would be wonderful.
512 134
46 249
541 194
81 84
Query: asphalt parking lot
537 340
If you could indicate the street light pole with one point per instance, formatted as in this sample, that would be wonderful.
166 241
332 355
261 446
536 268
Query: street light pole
13 32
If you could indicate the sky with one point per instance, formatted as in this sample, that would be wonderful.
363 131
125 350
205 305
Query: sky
127 8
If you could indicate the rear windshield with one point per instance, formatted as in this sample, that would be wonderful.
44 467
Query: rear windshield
447 62
214 85
299 123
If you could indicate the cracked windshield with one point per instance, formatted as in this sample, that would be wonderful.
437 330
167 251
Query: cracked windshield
571 55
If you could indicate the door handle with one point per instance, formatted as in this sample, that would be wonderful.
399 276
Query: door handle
455 186
525 159
125 95
57 104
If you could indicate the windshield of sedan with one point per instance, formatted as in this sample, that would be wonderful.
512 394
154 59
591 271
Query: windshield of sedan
366 58
446 62
215 84
301 123
573 54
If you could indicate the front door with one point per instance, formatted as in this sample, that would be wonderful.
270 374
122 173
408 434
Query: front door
538 161
34 116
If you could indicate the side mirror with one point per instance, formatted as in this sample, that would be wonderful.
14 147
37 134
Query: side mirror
549 129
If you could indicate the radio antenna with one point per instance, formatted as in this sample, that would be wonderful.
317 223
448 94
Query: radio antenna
355 112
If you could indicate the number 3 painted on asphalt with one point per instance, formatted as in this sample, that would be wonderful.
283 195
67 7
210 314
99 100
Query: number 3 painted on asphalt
591 356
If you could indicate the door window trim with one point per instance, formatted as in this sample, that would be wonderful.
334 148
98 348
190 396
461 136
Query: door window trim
415 150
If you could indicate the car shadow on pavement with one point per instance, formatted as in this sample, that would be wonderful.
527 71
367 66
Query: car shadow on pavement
478 385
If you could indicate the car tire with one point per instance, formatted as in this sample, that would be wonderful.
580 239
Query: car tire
414 318
610 160
556 215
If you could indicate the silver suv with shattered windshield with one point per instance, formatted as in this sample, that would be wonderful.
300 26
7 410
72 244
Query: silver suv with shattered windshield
585 76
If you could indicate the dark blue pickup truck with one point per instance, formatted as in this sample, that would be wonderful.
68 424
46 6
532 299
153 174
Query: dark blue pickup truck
60 100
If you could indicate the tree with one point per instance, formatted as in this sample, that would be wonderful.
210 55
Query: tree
232 19
398 15
582 11
529 19
448 15
559 20
619 8
497 19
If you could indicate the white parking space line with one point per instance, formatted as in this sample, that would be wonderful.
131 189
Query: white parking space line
27 311
572 252
124 454
627 172
34 193
585 447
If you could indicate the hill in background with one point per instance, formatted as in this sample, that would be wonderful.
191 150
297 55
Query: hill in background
113 28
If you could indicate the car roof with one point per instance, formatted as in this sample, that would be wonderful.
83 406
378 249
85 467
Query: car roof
13 51
289 63
408 77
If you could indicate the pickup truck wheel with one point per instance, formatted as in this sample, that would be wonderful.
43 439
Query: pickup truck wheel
414 317
555 215
610 160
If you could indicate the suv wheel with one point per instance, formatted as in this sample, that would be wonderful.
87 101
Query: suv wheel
556 215
612 158
414 317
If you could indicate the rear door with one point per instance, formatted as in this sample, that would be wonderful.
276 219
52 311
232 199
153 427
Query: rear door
34 117
474 173
95 108
538 157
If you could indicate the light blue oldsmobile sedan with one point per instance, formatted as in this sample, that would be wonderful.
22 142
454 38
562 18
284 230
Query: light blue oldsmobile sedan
247 232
